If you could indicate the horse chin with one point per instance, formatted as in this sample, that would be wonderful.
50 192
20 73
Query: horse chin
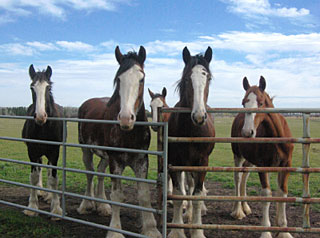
126 127
40 122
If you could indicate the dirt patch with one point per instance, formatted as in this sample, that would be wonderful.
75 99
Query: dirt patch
218 213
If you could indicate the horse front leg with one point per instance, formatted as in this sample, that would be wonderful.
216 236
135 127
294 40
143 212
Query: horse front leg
87 206
237 211
196 211
281 218
243 188
177 207
266 191
149 224
116 196
33 198
103 209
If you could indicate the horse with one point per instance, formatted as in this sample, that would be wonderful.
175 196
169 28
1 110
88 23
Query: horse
158 100
40 128
126 105
193 88
253 125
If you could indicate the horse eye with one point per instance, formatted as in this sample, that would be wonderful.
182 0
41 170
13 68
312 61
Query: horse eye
203 73
141 80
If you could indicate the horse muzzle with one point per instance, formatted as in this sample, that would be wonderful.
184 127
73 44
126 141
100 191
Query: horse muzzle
248 133
40 119
126 121
199 119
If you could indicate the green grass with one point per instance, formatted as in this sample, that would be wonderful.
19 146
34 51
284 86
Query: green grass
221 156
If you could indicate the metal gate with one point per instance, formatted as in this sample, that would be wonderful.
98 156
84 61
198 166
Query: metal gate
305 170
161 211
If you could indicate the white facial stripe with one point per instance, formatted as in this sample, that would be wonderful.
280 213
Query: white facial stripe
249 117
40 91
155 104
199 81
129 88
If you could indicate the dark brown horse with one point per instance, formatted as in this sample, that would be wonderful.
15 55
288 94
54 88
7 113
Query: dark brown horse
194 90
126 105
42 107
262 155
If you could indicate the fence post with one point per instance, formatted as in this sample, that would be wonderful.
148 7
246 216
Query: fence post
160 161
164 180
64 163
306 164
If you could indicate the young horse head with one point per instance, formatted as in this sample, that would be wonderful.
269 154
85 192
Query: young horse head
193 89
158 101
264 155
42 107
126 105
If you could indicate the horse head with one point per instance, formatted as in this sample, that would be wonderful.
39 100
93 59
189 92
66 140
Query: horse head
194 84
157 101
41 93
255 97
129 82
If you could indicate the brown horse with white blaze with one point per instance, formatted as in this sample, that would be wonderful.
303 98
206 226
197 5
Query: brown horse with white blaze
194 90
127 106
263 155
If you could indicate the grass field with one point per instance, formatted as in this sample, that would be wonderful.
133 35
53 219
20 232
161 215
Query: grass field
222 156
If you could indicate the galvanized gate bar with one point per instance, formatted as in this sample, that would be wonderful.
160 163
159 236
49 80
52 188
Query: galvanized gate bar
275 140
150 181
240 110
243 169
245 228
74 220
246 199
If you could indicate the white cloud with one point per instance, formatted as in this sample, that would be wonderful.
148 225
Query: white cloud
42 46
75 46
16 49
264 8
55 8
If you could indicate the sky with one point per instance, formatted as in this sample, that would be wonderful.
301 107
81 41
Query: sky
278 39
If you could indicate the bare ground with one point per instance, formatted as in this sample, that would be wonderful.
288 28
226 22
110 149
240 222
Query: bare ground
218 213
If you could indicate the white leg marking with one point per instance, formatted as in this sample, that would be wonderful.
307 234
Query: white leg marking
265 213
33 199
196 219
281 218
237 211
55 202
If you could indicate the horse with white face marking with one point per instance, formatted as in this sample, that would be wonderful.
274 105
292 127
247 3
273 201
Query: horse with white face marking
262 155
43 106
126 105
194 90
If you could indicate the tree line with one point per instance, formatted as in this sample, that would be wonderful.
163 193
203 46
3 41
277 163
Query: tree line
68 112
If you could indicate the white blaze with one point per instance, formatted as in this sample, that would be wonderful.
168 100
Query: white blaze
155 104
199 81
40 91
249 117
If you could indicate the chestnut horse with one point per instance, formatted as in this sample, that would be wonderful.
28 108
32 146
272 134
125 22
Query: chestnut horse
42 107
126 105
263 155
194 90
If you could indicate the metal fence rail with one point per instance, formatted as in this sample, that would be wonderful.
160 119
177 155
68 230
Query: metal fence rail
161 211
305 169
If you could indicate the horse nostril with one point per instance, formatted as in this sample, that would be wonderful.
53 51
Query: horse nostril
34 116
251 132
205 116
132 117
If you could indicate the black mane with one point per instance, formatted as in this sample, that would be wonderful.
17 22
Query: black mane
194 60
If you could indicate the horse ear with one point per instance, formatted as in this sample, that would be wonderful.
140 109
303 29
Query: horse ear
164 92
208 54
245 83
118 55
142 54
262 84
186 55
48 72
32 72
151 93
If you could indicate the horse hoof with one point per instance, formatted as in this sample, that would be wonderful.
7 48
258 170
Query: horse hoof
177 233
154 233
238 214
104 209
114 235
86 207
197 234
47 198
266 235
30 213
246 209
284 235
